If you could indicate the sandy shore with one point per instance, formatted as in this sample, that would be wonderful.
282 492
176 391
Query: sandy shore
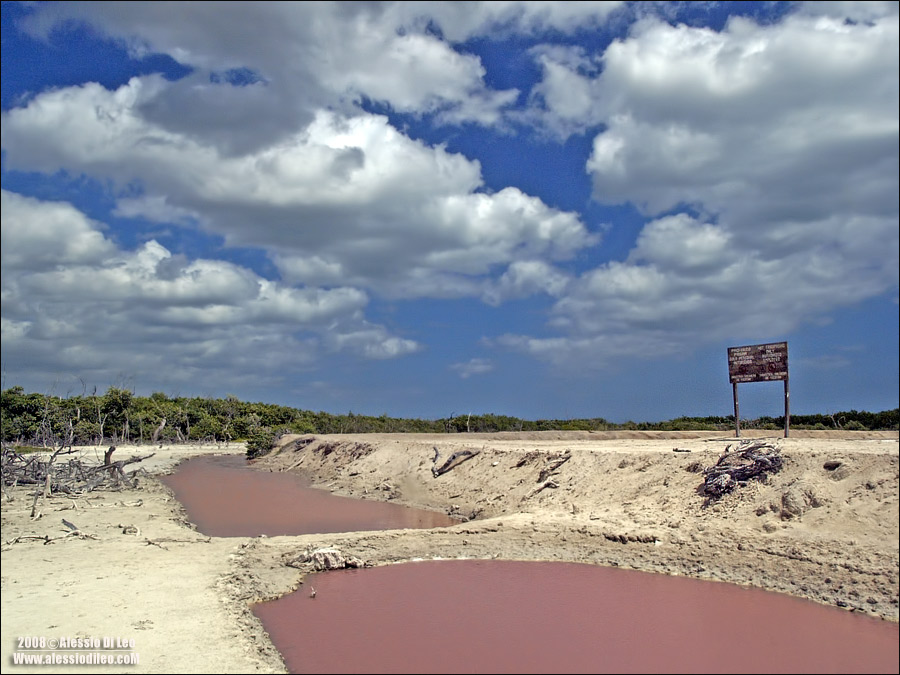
139 573
825 528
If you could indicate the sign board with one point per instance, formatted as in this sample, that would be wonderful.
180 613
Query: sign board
758 363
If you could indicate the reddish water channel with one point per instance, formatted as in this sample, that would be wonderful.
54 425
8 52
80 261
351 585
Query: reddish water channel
225 498
475 616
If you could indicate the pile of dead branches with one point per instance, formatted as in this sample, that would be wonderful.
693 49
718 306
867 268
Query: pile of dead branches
750 459
77 475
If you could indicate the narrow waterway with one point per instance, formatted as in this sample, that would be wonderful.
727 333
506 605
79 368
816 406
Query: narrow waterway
497 616
224 497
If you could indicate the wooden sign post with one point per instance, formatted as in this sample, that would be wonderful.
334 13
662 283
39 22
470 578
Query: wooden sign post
759 363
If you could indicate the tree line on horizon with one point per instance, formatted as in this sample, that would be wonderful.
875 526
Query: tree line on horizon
120 417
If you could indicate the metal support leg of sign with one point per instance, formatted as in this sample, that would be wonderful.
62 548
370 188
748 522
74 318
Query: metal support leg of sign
787 408
737 414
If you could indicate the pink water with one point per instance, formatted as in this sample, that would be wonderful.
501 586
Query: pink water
225 498
496 616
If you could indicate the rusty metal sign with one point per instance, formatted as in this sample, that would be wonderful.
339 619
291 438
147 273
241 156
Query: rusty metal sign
758 363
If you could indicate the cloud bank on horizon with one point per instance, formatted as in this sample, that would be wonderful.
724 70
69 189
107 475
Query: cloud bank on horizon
404 207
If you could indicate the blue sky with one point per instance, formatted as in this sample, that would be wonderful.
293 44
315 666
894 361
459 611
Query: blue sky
538 209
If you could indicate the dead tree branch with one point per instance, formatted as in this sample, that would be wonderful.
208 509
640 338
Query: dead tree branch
76 476
543 486
71 531
555 462
453 460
